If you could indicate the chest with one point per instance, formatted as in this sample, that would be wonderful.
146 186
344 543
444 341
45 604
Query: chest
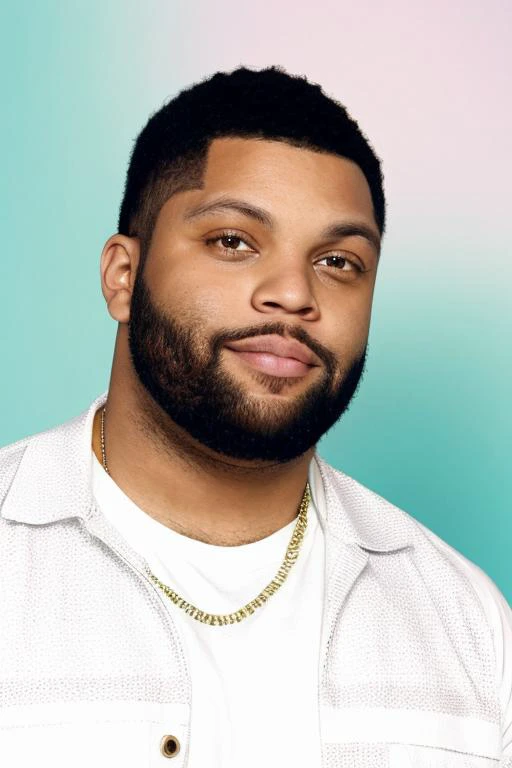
97 669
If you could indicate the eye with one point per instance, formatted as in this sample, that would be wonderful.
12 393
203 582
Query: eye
230 242
340 263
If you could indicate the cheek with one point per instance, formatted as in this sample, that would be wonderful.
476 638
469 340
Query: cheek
194 302
349 324
182 287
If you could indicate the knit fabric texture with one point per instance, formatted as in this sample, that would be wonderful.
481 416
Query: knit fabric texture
413 665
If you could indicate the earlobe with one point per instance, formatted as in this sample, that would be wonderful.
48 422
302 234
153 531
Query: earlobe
119 262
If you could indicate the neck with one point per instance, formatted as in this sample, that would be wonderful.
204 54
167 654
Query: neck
188 488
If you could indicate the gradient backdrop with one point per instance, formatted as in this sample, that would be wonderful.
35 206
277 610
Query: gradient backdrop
430 85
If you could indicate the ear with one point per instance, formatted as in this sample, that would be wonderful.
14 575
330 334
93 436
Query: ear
119 262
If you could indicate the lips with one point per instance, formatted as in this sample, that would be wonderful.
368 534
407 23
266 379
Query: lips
276 345
275 356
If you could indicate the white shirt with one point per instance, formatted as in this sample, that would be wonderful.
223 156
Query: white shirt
234 720
415 657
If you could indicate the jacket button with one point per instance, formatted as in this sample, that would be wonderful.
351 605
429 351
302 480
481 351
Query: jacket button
169 746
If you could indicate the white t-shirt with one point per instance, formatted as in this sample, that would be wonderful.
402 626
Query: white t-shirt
254 684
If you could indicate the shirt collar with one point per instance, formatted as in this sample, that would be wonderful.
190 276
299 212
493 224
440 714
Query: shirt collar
53 481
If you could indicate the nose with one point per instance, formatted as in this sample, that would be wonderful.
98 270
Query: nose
286 288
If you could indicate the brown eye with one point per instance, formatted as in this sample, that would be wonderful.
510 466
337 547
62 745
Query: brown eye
230 241
339 262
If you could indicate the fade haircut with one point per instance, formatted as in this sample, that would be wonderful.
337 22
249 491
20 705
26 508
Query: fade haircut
170 153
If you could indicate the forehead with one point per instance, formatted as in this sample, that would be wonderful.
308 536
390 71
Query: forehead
276 169
299 190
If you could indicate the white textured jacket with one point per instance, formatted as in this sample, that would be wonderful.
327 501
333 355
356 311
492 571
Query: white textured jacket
416 657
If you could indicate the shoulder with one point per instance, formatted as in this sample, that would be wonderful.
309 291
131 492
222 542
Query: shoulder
498 620
383 515
461 591
47 466
494 606
12 454
482 585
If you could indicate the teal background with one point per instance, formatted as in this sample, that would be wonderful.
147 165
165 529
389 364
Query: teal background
430 428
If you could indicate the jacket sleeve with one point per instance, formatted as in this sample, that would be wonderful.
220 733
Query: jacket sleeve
499 616
502 633
499 619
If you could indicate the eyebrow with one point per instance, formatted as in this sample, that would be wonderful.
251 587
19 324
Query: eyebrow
333 231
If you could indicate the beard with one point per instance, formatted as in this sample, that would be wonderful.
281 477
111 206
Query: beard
182 371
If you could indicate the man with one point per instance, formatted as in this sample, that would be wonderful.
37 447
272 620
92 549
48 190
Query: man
182 577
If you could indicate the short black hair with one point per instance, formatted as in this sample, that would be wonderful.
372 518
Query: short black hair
170 153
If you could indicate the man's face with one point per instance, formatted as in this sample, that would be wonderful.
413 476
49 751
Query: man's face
249 321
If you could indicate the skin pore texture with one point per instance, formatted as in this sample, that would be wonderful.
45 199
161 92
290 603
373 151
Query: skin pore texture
206 434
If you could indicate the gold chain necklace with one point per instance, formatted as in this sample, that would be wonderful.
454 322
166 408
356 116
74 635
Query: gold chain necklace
216 619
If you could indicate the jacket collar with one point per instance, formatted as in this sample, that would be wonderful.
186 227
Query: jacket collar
52 481
355 514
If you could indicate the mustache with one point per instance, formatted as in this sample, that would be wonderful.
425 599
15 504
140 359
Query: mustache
223 336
